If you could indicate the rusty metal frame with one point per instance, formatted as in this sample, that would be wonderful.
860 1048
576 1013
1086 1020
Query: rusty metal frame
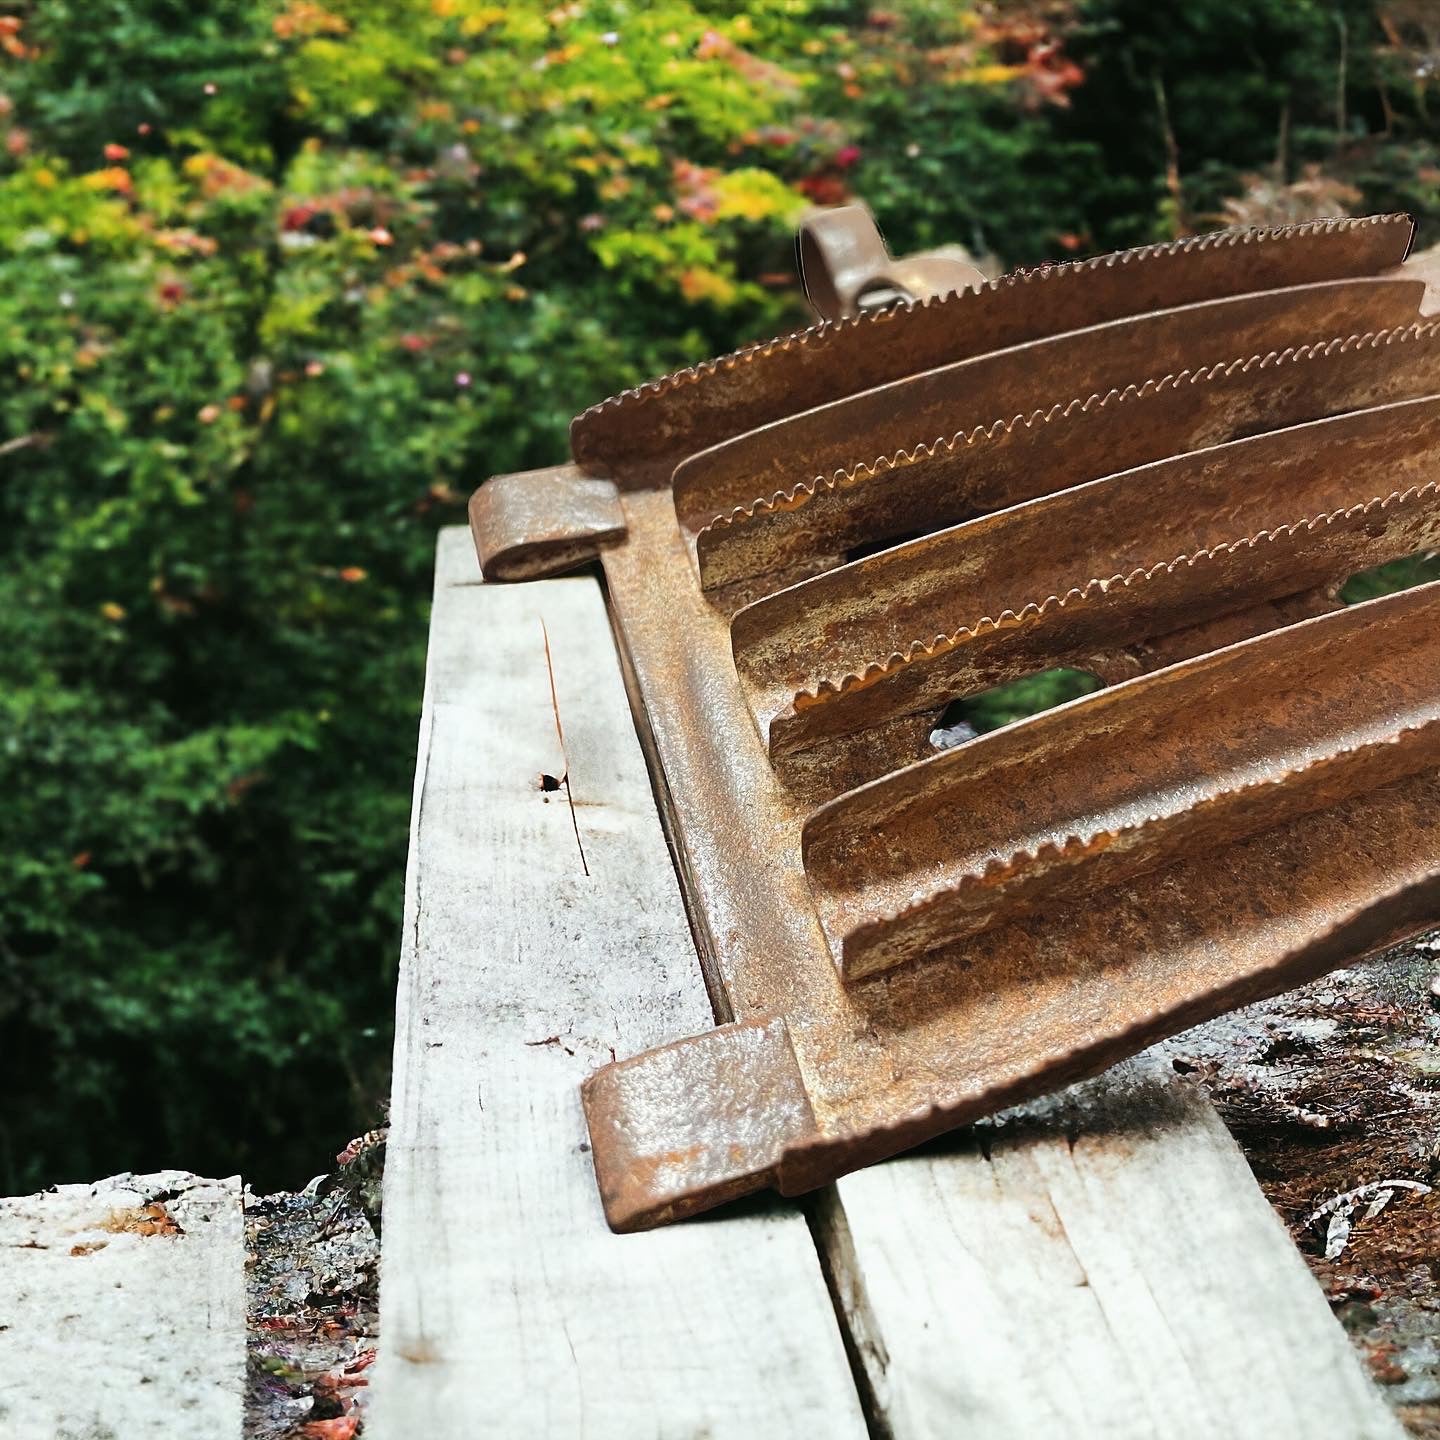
1159 467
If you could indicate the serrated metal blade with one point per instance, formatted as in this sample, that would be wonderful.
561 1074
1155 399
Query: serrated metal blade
1186 760
893 637
1010 460
933 405
639 436
1033 1006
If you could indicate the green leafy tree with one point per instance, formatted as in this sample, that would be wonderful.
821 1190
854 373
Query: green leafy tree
281 280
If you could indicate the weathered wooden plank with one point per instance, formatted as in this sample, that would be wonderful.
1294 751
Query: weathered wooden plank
122 1310
1103 1267
543 930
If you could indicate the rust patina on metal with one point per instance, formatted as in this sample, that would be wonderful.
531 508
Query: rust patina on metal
1159 467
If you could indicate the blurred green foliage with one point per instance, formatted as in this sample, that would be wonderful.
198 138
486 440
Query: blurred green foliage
1403 574
1014 700
281 280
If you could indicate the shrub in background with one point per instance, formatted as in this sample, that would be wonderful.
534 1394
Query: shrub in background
281 280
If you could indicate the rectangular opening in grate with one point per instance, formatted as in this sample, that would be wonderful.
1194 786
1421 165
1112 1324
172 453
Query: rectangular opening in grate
963 720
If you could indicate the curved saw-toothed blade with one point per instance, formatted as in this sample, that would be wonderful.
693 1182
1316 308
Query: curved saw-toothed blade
1165 952
640 435
1185 760
900 633
1022 457
936 403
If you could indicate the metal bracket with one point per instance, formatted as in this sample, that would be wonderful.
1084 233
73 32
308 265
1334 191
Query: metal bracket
535 523
846 267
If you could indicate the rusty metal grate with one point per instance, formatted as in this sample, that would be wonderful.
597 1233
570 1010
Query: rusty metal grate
1157 467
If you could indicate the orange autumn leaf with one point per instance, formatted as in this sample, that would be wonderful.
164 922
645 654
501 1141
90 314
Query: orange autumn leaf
302 19
113 177
343 1427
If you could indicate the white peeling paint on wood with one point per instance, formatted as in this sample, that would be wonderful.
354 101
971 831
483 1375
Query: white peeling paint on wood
544 930
122 1310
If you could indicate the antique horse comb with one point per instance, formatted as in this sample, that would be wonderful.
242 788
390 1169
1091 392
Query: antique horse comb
1157 467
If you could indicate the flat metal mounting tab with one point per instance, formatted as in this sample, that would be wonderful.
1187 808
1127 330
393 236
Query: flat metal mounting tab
535 523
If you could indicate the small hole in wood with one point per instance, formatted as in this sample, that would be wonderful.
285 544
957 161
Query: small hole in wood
963 720
549 782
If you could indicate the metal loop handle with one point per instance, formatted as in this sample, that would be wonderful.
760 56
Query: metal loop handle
845 266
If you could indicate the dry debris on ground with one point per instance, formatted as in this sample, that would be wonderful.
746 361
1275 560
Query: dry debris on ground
313 1265
1334 1093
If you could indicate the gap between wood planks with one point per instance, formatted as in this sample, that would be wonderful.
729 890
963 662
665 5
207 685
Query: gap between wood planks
864 1346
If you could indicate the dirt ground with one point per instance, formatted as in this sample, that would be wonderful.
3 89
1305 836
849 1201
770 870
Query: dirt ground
1335 1088
312 1284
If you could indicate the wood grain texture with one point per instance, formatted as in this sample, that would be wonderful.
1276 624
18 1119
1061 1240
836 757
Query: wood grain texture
122 1310
1103 1266
544 929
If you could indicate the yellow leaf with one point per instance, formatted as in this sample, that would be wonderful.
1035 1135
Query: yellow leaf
755 195
699 285
992 74
482 20
114 177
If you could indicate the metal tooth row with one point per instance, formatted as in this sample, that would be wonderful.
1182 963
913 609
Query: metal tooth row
836 739
865 471
1019 884
1220 239
906 630
1213 240
1004 462
704 404
1184 760
1004 381
1092 590
1218 950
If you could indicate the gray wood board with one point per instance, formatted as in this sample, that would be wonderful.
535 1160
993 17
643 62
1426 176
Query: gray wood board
543 930
122 1310
1100 1265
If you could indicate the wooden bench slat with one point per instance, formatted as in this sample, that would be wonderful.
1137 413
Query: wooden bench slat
1108 1268
122 1310
537 939
1111 1271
